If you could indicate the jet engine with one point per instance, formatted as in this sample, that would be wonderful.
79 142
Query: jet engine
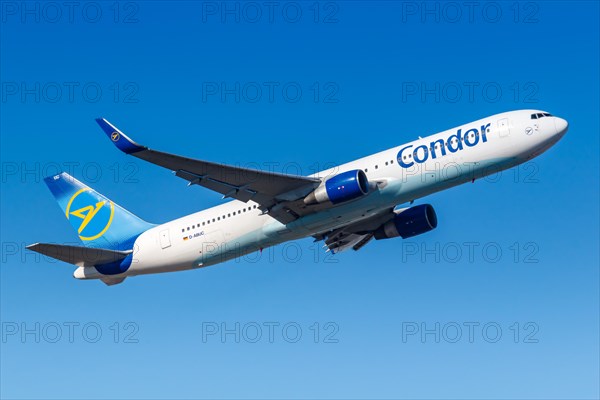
408 222
340 188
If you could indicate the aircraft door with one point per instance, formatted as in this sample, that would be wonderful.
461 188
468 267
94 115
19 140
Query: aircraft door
503 128
165 240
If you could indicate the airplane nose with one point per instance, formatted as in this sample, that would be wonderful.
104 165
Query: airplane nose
561 126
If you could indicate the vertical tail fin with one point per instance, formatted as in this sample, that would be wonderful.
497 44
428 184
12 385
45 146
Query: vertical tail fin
98 221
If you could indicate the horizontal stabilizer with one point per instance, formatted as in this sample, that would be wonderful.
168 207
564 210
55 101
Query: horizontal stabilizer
78 255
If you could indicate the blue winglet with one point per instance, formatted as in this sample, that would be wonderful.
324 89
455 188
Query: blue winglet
120 140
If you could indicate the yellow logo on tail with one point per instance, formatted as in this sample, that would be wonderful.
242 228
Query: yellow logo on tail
87 214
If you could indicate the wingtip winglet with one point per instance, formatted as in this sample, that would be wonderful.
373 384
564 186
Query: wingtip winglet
122 141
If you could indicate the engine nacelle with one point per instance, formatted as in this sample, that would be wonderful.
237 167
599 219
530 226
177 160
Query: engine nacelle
342 187
409 222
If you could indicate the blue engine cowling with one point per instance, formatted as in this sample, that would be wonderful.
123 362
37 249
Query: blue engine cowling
342 187
408 223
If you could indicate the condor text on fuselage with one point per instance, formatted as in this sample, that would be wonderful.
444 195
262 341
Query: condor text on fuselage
413 153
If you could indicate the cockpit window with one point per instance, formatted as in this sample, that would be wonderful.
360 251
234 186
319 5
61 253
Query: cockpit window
540 115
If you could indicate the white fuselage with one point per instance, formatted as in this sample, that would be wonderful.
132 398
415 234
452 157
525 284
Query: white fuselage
398 175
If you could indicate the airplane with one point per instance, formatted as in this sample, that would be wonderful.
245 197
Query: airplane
346 206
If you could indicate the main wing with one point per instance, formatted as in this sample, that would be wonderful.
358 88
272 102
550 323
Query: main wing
272 191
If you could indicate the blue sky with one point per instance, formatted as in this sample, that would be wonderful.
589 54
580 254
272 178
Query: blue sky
500 301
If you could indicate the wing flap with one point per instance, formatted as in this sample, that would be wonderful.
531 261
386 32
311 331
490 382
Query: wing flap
347 241
356 235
